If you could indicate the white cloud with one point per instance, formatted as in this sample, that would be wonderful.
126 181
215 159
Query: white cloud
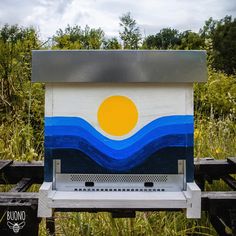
151 15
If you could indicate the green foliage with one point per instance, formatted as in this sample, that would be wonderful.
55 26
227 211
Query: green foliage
21 130
111 44
145 223
22 108
224 45
207 31
215 137
217 97
191 41
15 66
77 38
167 38
130 33
221 34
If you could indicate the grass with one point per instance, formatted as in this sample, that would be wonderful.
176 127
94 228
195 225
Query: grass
145 223
158 223
213 138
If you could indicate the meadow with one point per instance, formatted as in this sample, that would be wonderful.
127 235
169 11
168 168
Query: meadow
215 136
22 115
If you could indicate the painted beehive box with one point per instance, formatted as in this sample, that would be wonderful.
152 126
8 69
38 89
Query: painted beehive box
119 112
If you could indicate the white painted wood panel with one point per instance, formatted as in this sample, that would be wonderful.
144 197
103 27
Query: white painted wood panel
152 101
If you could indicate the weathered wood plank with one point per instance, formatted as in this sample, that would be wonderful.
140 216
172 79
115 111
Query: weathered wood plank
4 163
213 169
18 195
50 226
219 195
232 160
230 181
13 173
22 185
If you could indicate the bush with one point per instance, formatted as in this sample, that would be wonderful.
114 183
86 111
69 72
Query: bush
217 97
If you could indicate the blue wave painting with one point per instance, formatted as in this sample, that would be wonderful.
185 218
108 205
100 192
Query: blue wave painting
74 133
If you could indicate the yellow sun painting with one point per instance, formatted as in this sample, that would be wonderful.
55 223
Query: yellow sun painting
117 115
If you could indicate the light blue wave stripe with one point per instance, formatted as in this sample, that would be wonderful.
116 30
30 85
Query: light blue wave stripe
111 145
73 126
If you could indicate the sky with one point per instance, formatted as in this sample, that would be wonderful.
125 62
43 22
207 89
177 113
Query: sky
47 16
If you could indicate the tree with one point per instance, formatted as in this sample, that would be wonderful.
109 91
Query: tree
130 34
220 43
208 28
77 38
149 42
191 41
111 44
22 126
224 45
167 38
16 44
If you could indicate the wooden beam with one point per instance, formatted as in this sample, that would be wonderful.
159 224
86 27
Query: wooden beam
22 185
213 169
224 195
19 195
232 160
13 173
4 164
211 201
50 226
230 181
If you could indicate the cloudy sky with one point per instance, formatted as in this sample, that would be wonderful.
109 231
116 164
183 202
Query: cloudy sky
151 15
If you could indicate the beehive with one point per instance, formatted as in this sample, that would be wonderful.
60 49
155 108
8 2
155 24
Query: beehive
119 120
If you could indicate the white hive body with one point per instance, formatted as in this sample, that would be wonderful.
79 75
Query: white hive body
119 121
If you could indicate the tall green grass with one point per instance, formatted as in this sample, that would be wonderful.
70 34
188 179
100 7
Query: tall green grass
213 138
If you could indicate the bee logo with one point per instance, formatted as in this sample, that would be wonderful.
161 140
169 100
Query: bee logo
16 227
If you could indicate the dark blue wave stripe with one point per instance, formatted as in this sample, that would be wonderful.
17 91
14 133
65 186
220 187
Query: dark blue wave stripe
61 126
118 158
124 162
162 161
114 165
